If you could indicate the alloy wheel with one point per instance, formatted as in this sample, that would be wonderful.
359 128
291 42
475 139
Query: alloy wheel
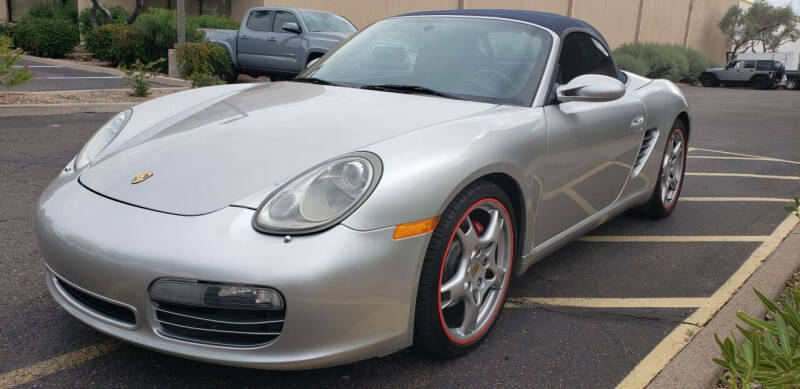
672 168
475 272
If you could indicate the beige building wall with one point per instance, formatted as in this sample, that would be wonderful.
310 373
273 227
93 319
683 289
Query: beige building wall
4 10
128 4
664 21
703 32
554 6
616 19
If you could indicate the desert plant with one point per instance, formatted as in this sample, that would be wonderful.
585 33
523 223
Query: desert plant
118 16
53 37
65 11
128 44
160 27
200 80
214 21
670 61
632 64
7 29
9 75
98 42
203 57
770 354
138 76
794 208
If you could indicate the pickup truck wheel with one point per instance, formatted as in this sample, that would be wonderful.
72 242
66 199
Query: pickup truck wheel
230 77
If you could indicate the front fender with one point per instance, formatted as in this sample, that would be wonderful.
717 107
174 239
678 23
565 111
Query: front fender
424 170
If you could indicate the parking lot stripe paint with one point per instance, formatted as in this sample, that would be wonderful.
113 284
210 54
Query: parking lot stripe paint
672 344
721 157
73 78
748 175
744 155
51 366
585 302
674 238
36 66
736 199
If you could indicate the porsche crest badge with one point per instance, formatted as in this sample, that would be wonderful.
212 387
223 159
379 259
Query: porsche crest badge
141 177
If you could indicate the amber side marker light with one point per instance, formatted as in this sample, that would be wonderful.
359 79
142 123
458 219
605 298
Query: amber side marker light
415 228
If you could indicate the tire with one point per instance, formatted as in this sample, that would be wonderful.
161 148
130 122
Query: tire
670 176
760 83
231 77
709 81
792 84
468 222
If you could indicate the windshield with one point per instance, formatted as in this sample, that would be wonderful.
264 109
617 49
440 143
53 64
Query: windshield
326 22
476 59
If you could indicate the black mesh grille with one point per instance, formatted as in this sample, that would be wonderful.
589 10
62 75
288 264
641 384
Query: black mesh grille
103 307
223 326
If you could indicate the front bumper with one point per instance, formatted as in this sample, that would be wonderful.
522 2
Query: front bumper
349 294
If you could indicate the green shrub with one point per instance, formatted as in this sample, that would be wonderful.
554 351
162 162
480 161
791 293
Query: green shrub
7 29
138 76
67 11
670 61
215 21
54 38
770 355
632 64
98 42
160 27
118 44
203 57
697 63
9 75
118 16
200 80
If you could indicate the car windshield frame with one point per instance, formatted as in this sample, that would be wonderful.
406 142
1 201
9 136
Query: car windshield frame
527 93
308 15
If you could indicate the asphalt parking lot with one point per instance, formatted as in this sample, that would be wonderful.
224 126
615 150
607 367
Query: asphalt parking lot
48 77
594 314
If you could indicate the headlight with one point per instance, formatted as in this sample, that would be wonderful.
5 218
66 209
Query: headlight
102 138
320 197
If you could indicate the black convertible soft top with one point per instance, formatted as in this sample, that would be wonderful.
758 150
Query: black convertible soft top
556 23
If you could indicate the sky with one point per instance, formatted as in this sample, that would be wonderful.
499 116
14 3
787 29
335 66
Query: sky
794 3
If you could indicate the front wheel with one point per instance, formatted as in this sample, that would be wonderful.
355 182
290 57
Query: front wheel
466 271
709 81
670 177
792 84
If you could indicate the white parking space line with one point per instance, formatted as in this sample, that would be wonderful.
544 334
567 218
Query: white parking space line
590 302
747 175
674 238
744 155
36 66
721 157
70 360
672 344
73 78
735 199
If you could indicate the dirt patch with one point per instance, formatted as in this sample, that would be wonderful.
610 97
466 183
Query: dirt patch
82 97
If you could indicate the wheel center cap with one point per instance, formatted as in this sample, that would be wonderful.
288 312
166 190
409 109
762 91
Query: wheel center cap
473 268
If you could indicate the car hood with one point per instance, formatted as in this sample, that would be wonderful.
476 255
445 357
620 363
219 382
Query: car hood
215 153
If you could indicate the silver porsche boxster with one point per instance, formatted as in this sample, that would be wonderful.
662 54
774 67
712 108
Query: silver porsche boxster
383 198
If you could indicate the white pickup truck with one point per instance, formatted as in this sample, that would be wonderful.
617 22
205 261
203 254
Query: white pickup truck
280 42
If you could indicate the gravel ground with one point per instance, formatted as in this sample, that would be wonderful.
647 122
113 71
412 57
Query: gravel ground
91 97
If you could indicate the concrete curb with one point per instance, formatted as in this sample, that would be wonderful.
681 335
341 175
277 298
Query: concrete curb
101 69
693 366
60 109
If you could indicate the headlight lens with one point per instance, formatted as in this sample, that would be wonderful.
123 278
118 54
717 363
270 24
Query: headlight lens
102 138
320 197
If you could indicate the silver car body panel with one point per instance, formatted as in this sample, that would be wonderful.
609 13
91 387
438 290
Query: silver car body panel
350 291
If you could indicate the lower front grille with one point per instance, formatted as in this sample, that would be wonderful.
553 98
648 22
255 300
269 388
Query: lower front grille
100 306
211 322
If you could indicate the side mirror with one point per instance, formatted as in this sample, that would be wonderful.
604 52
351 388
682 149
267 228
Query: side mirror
591 88
291 27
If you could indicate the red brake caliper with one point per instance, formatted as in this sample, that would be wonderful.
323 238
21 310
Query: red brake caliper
479 228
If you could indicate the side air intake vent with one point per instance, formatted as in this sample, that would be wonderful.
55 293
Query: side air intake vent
648 142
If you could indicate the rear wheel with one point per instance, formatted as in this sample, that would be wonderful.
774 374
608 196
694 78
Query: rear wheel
708 80
792 83
670 177
760 83
466 271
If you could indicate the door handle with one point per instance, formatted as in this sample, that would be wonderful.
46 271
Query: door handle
637 123
272 39
243 36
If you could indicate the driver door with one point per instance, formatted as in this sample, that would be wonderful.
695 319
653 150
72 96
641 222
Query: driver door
591 147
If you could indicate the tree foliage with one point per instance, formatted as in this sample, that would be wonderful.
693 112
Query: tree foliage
761 27
10 75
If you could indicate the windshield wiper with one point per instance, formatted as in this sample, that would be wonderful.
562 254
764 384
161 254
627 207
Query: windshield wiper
409 89
314 80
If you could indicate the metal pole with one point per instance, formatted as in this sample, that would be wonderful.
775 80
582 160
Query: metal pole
181 22
688 24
